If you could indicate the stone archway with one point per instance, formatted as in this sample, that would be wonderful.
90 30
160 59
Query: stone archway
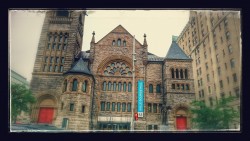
181 117
46 109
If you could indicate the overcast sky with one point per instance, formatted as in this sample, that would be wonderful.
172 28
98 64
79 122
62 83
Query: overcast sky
159 26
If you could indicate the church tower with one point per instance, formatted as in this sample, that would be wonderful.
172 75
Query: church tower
60 40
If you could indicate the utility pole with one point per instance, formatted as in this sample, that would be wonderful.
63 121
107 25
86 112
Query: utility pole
133 90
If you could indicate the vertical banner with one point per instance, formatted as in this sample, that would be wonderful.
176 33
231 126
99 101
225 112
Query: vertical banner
140 98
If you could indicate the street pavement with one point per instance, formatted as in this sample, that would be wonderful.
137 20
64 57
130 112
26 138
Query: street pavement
34 128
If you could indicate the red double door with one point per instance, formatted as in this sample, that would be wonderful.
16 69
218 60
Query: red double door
181 123
46 115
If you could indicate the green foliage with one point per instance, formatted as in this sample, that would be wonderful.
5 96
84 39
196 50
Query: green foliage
216 117
21 98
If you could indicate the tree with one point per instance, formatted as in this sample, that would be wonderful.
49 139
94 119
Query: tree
212 118
21 99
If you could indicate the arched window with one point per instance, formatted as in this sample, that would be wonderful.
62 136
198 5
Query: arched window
187 87
114 86
181 72
119 42
84 86
172 72
158 88
124 43
109 86
65 86
113 43
62 13
55 38
74 87
177 73
119 86
150 88
129 87
186 73
124 86
104 86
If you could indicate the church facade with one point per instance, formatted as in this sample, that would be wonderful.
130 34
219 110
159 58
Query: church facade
93 89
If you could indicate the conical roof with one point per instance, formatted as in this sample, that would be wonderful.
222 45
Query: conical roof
175 52
81 66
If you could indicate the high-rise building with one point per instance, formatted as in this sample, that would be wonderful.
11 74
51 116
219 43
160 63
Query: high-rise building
213 40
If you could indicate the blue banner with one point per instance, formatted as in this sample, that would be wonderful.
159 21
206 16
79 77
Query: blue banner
140 98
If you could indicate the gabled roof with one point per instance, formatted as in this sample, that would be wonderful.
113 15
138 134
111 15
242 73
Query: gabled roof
119 29
175 52
81 66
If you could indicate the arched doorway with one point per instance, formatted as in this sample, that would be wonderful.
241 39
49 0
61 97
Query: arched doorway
46 109
181 119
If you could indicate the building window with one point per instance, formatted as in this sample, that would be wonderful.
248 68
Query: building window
48 46
109 86
71 107
230 49
129 87
215 45
124 43
173 86
61 68
181 73
46 59
209 89
124 86
158 88
177 73
55 38
129 107
200 70
187 87
119 42
155 108
62 13
202 93
150 88
62 61
160 107
235 77
211 101
58 46
102 106
74 88
113 106
108 106
221 84
119 86
51 59
206 66
198 83
150 127
57 59
222 95
182 87
221 39
178 86
118 107
65 86
186 74
65 39
228 35
113 43
64 47
62 105
205 55
172 72
225 22
218 70
123 107
232 62
237 93
201 81
83 108
60 38
104 86
217 58
114 86
50 68
84 86
149 107
207 77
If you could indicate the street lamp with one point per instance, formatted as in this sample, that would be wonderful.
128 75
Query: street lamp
133 90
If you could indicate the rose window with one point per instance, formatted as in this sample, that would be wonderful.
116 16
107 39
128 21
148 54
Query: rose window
118 68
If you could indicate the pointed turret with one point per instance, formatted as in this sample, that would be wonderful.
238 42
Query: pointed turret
145 40
93 37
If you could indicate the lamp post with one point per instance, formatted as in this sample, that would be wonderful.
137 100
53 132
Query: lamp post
133 90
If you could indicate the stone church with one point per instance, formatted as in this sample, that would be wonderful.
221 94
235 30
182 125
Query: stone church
93 89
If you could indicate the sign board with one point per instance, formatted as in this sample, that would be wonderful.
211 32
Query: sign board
140 98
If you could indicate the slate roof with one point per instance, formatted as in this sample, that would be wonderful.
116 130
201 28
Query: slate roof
175 52
81 66
154 58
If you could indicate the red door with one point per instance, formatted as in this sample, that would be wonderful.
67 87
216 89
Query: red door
46 115
181 123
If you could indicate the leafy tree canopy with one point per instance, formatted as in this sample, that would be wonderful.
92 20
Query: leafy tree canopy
21 98
215 117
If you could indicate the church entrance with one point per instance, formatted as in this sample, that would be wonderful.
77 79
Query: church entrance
181 123
46 115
